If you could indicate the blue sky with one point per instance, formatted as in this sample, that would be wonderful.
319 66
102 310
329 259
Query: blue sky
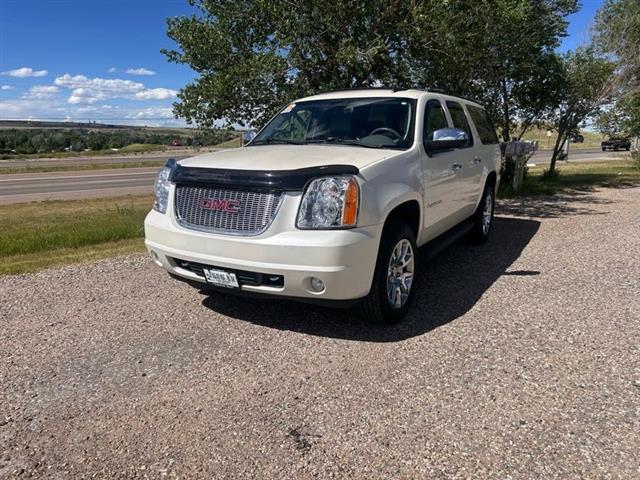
100 59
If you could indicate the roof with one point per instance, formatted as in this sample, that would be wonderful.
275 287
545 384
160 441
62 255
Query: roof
382 92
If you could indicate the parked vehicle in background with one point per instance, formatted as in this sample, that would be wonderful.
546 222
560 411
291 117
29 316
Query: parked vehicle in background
330 201
616 143
578 138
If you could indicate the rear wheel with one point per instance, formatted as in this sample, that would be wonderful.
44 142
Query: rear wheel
393 279
483 218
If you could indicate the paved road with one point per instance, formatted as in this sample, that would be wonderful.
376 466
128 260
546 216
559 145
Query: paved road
70 185
578 155
520 359
114 182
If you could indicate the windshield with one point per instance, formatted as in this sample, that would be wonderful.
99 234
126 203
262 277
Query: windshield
365 122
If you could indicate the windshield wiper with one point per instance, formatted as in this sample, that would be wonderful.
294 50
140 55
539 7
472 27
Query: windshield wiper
342 141
274 141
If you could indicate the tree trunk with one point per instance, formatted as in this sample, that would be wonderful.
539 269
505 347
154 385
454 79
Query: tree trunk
505 112
556 149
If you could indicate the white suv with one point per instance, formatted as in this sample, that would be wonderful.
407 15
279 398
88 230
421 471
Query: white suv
329 202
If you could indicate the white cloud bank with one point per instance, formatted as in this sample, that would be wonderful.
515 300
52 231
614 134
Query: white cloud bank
41 92
156 94
92 90
140 71
6 87
25 72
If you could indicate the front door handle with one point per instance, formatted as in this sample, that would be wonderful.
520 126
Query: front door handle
456 167
477 160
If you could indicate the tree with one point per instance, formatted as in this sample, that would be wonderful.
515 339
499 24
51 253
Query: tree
622 118
500 52
587 87
253 57
617 32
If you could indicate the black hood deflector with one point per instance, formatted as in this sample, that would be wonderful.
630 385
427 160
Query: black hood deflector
280 180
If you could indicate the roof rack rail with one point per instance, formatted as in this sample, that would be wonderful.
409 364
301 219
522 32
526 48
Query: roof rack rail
394 88
444 92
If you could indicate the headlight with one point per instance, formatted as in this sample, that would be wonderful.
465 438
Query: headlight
329 202
162 186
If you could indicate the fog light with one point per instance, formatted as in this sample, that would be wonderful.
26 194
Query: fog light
156 258
317 285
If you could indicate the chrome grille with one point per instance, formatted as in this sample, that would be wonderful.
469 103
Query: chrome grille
256 210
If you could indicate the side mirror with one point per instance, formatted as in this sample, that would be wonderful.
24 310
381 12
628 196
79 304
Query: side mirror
446 139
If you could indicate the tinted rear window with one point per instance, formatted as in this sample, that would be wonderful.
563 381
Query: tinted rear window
483 125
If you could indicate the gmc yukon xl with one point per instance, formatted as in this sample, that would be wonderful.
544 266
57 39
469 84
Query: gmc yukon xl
331 199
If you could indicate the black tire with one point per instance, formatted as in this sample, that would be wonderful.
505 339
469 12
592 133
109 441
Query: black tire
604 149
479 234
615 149
376 308
627 148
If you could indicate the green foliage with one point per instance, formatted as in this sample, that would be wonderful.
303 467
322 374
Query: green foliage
254 57
617 32
622 118
587 87
30 141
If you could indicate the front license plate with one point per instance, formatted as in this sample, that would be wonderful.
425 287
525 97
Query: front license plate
221 278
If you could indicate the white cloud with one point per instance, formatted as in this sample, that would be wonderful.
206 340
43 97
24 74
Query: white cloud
140 71
25 72
153 113
6 87
156 94
41 92
91 90
112 69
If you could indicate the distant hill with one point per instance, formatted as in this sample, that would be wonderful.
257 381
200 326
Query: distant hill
30 124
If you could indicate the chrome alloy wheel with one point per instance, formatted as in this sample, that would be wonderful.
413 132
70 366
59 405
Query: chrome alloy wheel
487 212
400 273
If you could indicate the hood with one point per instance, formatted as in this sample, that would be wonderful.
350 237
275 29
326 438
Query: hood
289 157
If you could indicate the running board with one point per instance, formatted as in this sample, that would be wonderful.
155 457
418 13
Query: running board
438 244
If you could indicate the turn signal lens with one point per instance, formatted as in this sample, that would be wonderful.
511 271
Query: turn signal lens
350 212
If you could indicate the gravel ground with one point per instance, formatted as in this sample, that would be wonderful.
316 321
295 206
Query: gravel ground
520 359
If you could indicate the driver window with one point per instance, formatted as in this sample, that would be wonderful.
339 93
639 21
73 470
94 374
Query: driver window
434 119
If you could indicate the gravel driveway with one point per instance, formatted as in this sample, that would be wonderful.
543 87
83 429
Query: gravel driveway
520 359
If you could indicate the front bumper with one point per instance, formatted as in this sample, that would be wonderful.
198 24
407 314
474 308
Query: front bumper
343 259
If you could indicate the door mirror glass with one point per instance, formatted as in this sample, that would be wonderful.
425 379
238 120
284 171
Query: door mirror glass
446 139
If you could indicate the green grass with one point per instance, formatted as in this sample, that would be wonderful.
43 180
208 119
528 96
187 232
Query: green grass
591 139
617 173
77 168
41 234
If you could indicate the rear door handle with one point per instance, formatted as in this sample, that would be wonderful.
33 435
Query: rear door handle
477 160
456 167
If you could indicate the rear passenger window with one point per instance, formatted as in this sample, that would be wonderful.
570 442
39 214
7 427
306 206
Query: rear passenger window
459 119
483 125
434 119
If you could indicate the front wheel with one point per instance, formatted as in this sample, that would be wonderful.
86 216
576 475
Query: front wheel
393 279
483 218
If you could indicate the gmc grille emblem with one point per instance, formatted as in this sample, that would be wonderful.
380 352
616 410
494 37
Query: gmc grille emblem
229 206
